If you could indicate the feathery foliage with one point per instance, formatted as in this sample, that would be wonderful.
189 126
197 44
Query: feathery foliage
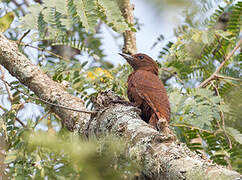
59 16
207 119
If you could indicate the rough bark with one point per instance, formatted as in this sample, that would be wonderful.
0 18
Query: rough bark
129 37
162 158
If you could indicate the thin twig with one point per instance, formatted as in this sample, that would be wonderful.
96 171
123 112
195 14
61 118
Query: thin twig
222 118
10 97
42 49
220 45
25 34
40 119
20 122
17 119
191 127
173 73
49 103
3 108
213 76
227 77
20 106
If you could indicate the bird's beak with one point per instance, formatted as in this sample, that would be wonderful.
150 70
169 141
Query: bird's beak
128 57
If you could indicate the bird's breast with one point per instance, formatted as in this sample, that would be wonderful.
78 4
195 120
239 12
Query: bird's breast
147 90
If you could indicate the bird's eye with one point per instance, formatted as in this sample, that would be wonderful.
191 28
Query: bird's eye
141 57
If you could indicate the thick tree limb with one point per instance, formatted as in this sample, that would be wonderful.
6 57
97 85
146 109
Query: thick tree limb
43 86
162 158
47 102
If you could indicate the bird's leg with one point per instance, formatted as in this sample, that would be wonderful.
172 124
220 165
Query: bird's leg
153 121
162 126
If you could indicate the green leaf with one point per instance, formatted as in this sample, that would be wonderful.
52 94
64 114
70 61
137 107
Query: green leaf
86 12
198 107
113 14
60 5
205 37
11 156
30 21
196 37
235 134
6 21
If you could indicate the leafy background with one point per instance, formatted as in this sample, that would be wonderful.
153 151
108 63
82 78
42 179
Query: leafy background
207 119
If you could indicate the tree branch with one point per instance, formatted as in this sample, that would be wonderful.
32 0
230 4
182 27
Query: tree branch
20 122
129 37
44 87
162 158
213 76
191 127
227 77
46 102
42 49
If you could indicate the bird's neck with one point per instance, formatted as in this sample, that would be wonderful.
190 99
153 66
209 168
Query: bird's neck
151 70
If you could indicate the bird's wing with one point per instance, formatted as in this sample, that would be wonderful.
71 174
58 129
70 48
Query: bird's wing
150 88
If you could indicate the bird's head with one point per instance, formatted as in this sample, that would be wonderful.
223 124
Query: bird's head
141 62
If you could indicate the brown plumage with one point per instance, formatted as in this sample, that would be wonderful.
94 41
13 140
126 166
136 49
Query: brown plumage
146 90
